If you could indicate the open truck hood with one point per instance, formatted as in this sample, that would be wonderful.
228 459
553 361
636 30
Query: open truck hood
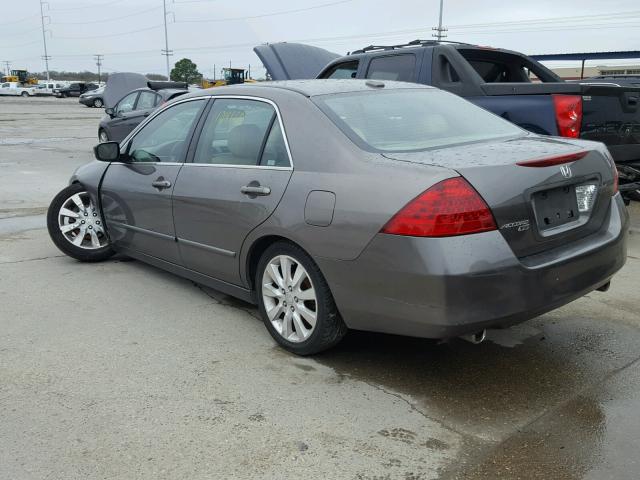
119 84
293 61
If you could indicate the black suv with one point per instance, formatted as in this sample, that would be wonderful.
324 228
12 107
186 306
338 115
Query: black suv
74 89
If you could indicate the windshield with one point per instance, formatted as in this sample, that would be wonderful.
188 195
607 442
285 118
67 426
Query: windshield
411 119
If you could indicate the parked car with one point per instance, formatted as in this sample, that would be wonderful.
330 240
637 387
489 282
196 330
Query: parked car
74 89
132 109
93 98
46 89
495 79
334 204
16 89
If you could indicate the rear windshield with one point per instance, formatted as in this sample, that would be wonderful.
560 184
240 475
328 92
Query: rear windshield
412 119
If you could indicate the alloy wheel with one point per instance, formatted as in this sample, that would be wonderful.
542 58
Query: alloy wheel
289 298
80 222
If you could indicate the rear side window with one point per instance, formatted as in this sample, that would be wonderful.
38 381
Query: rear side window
394 67
275 150
406 120
234 132
343 70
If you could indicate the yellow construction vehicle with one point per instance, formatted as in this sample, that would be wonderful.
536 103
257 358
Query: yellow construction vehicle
20 76
230 76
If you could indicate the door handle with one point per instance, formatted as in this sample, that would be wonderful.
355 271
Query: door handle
255 190
161 183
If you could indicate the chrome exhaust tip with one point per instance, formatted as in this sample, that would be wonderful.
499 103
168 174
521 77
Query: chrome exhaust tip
475 338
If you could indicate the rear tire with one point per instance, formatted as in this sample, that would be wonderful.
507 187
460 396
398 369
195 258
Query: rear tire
88 241
297 307
24 94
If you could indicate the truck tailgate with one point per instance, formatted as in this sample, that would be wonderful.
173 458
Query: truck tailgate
611 114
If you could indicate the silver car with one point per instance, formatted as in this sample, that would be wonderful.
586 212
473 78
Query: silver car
337 204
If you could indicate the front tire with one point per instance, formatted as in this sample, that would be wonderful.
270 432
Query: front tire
97 103
76 226
295 301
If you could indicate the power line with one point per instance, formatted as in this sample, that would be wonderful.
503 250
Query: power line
95 5
166 52
46 56
272 14
119 34
18 20
98 58
112 19
439 30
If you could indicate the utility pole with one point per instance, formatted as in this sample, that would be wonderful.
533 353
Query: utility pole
439 29
7 64
214 72
166 52
98 58
46 56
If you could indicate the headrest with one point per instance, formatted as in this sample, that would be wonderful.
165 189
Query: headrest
245 141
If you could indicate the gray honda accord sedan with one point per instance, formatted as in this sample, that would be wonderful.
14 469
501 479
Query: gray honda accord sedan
336 204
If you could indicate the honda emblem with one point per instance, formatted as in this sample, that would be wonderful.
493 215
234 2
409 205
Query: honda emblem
566 171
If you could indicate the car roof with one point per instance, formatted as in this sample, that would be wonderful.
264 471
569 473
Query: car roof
311 88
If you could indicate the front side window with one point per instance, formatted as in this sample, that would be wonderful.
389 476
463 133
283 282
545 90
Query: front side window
394 67
165 138
234 132
127 103
343 70
412 119
146 101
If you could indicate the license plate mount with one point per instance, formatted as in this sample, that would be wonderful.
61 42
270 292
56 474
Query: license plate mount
555 207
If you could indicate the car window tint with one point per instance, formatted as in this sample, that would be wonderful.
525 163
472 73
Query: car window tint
234 132
275 150
343 70
126 104
395 67
412 119
165 137
146 101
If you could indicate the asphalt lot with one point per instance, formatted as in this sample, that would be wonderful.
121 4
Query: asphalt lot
119 370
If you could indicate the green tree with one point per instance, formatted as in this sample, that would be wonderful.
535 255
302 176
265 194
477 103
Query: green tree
185 71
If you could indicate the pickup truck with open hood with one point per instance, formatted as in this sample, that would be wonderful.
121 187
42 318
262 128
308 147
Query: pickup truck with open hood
507 83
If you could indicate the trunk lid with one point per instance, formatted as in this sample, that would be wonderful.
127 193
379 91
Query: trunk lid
536 207
293 61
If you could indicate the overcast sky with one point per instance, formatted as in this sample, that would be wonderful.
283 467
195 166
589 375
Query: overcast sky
130 33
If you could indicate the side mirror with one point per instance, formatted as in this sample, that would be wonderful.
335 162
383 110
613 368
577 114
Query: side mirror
110 111
107 151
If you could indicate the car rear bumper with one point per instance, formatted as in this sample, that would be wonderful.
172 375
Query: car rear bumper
446 287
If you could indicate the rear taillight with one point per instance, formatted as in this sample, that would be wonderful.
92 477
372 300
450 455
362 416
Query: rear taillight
451 207
568 110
